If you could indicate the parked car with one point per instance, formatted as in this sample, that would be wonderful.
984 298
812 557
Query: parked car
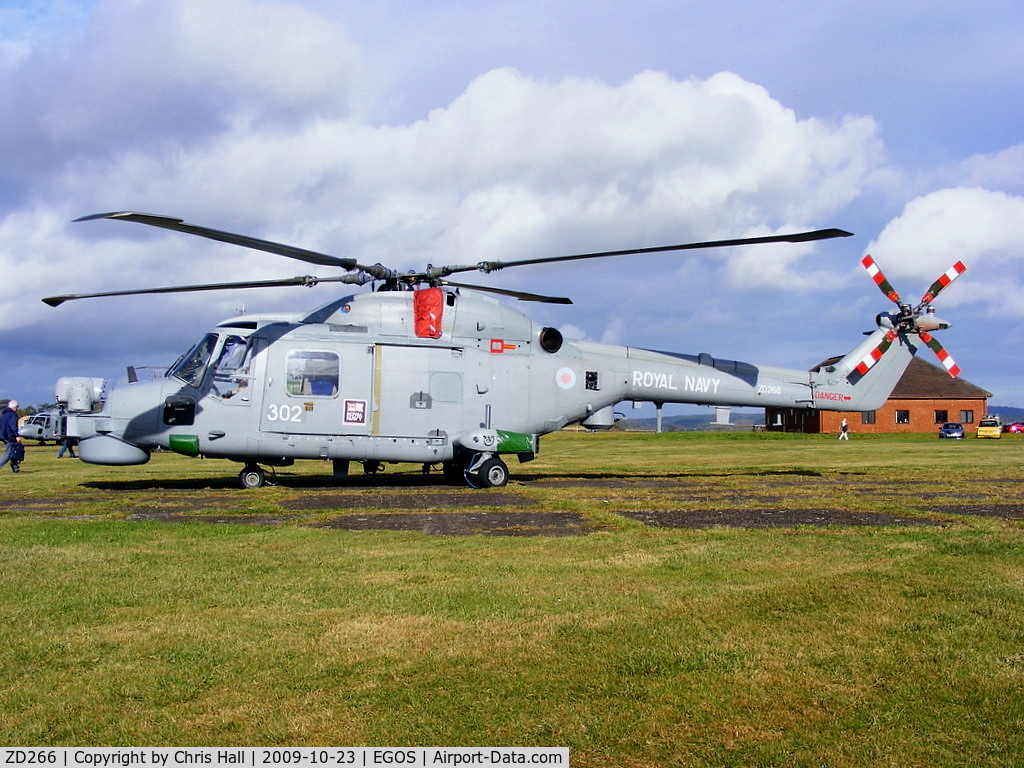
1016 428
989 428
952 430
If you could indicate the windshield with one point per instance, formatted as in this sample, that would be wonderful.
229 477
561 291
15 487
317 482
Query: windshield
192 366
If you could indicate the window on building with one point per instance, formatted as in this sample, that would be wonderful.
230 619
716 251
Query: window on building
941 417
867 417
902 417
966 417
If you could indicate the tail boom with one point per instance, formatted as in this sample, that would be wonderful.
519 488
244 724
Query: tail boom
847 384
864 378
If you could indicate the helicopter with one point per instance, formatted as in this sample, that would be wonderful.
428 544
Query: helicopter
425 370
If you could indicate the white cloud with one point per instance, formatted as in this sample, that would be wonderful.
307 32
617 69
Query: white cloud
1002 170
145 74
980 227
515 167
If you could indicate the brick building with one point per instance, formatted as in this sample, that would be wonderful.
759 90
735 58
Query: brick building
925 397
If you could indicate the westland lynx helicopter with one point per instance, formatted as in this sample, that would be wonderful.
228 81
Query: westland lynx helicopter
435 372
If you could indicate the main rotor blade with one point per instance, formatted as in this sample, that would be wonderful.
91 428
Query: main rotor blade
799 237
521 295
307 281
179 225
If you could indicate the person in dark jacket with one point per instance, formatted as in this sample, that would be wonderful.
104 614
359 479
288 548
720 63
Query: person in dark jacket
67 444
9 435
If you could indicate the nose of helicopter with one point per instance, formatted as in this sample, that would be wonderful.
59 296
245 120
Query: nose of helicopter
104 435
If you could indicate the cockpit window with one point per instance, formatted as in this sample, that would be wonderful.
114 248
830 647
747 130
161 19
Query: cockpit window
192 366
232 372
233 358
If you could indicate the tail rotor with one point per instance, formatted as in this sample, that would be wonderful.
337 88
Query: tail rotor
948 363
920 320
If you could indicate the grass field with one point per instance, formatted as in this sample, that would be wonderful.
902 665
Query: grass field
682 619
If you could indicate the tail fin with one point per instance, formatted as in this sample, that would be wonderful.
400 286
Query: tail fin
863 379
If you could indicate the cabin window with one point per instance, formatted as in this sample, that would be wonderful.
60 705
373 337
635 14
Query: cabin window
966 417
867 417
902 417
941 417
312 373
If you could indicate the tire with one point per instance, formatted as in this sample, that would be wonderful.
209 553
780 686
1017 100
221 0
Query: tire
492 473
252 477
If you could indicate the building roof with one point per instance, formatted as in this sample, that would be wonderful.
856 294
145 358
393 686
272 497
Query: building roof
927 381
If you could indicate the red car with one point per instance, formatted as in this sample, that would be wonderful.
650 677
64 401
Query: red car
1017 426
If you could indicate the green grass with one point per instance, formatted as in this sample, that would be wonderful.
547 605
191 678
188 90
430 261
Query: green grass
633 646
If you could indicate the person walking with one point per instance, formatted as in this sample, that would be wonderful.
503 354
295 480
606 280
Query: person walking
67 444
844 430
10 437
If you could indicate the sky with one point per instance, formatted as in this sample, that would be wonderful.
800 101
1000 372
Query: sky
450 132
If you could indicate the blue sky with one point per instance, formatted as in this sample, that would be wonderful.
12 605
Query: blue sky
451 132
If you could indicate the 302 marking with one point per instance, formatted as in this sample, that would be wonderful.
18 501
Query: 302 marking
289 413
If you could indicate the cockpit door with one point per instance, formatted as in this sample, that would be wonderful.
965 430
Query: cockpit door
318 388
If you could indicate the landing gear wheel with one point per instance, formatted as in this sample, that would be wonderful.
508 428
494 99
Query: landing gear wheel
252 477
489 473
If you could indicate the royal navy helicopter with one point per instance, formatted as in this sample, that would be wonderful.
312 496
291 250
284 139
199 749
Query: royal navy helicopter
426 370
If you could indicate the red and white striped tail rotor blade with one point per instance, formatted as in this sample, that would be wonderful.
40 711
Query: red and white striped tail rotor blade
875 354
947 362
876 274
945 279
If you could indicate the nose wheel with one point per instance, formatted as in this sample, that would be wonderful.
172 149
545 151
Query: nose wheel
486 471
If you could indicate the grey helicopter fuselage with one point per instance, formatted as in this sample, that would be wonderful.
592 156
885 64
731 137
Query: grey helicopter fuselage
421 371
434 376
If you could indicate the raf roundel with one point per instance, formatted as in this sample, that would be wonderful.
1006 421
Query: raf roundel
566 378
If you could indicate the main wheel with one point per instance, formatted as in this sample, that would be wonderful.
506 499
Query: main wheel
492 473
252 477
